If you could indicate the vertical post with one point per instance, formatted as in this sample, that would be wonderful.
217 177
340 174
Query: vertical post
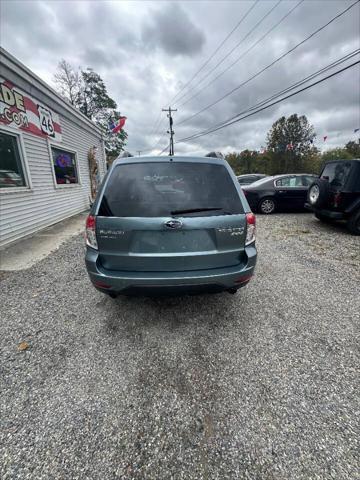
138 152
171 131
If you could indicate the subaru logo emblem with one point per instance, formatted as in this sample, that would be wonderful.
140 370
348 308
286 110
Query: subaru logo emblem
173 224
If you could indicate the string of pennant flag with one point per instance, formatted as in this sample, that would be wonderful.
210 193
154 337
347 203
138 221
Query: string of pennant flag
116 127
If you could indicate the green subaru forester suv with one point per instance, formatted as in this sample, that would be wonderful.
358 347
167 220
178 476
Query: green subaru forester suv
170 225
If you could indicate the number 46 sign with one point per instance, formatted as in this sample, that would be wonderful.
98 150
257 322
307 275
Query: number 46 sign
46 122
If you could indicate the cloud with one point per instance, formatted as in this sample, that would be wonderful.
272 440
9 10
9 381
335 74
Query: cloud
97 57
17 15
145 52
172 30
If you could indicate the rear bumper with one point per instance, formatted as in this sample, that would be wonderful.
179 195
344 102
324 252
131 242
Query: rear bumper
141 283
326 213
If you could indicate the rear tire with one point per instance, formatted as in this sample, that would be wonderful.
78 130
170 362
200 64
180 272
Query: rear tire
318 193
232 290
353 224
267 206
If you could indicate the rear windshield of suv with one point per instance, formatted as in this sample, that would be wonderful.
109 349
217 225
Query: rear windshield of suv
157 189
336 173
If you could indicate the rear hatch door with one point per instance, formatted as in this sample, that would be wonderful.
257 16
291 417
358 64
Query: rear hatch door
340 176
170 216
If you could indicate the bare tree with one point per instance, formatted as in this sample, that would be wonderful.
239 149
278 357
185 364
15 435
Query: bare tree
69 82
86 90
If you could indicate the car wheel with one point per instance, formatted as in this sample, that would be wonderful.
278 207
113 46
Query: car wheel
318 193
353 224
267 206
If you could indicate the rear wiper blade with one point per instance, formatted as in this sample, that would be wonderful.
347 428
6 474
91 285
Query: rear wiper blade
194 210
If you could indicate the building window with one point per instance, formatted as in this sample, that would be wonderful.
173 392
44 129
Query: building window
11 168
65 167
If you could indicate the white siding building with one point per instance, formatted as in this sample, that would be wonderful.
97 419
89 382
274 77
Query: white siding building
44 147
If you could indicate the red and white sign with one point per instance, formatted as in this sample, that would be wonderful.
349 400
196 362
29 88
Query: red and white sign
19 110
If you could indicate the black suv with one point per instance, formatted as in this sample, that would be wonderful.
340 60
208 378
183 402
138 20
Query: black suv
335 195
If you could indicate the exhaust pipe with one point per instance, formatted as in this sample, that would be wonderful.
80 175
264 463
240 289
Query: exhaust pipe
232 290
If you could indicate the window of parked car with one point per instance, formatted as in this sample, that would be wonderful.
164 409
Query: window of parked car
245 180
11 167
289 182
261 181
155 189
307 180
336 173
65 166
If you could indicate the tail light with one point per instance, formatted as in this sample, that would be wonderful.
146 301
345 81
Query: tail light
244 279
337 199
101 284
90 232
250 228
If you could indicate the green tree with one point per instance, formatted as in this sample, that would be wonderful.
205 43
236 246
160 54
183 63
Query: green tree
290 140
114 142
336 154
246 161
94 99
233 160
313 162
353 148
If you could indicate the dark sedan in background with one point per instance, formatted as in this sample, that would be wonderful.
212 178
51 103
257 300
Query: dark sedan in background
279 192
250 178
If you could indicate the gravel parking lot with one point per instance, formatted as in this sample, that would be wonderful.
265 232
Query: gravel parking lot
263 384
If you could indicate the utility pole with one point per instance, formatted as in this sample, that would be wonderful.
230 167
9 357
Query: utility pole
171 132
138 152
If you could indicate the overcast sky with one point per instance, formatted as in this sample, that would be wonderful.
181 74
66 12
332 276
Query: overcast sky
147 51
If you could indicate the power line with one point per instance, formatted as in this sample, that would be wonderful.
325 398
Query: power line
200 134
271 64
162 151
157 129
155 133
261 71
156 143
233 49
154 146
287 89
159 140
306 79
216 50
159 120
232 120
243 54
228 122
